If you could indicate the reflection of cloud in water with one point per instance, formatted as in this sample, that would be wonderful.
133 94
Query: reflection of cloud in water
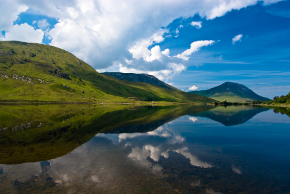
193 119
21 172
194 161
95 179
163 131
141 155
172 142
236 170
212 191
155 144
146 151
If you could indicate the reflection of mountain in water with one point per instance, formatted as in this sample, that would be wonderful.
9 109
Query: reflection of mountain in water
140 128
231 115
64 128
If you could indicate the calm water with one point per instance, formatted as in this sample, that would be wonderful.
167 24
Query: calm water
109 149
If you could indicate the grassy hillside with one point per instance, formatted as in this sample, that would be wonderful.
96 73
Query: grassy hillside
231 92
37 72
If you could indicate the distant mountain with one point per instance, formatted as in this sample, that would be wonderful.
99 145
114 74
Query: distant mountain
145 78
231 92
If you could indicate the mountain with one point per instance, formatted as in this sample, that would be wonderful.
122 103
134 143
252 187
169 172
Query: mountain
231 115
145 78
37 72
231 92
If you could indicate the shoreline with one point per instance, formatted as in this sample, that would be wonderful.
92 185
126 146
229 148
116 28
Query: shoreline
139 103
100 103
273 105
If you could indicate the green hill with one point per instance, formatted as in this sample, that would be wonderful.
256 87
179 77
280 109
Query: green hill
37 72
231 92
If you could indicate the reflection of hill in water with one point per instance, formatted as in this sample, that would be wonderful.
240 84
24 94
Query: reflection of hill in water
231 115
282 110
146 126
39 133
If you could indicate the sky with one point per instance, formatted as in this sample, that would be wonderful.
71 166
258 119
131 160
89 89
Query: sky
190 44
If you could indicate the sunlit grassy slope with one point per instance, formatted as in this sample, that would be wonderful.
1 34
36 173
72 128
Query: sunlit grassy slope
36 72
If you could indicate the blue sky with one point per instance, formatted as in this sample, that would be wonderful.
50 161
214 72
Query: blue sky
190 44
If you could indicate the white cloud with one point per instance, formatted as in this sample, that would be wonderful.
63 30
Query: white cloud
193 119
155 54
104 32
24 32
237 38
196 24
140 49
166 52
192 88
194 47
9 11
177 30
43 24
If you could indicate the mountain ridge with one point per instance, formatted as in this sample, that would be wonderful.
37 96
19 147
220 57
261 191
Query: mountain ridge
232 92
143 77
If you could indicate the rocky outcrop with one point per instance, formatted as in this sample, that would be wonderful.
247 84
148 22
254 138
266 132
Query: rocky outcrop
22 78
23 126
66 86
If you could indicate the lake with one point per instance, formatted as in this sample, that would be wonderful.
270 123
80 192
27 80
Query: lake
154 149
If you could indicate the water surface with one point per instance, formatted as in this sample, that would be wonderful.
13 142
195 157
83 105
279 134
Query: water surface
119 149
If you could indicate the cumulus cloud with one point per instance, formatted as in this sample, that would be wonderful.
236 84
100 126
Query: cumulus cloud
24 32
166 52
155 54
194 47
9 11
237 38
140 49
107 32
196 24
192 88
